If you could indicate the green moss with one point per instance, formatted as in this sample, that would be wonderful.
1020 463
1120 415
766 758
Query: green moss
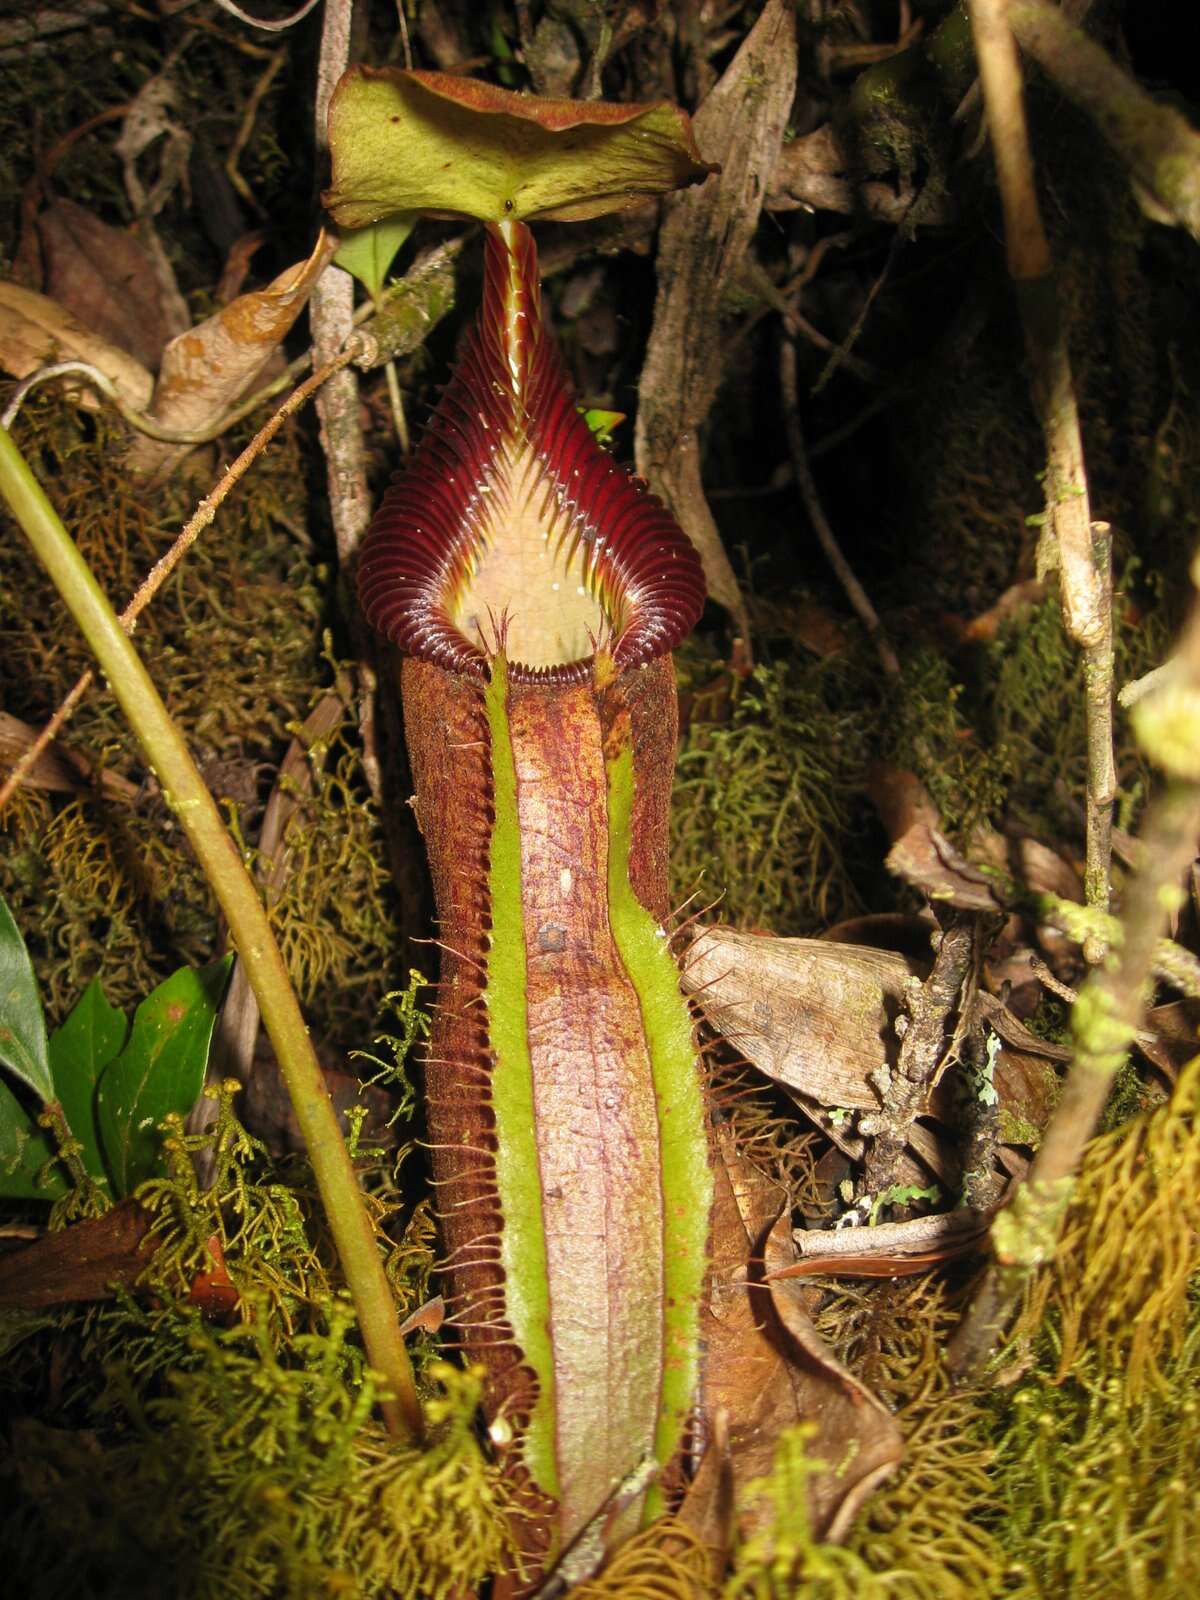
782 1556
924 730
764 811
257 1473
1118 1287
1094 1493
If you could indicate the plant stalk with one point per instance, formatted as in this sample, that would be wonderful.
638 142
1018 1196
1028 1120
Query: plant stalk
189 798
1080 548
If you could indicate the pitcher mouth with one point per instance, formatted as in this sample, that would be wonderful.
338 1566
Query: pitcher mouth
511 527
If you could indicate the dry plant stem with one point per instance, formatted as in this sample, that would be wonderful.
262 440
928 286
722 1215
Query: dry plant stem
1104 1023
1079 549
196 810
331 319
204 514
931 1007
1101 765
855 592
246 128
1157 143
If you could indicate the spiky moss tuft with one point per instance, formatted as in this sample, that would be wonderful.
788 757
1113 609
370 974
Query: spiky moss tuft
1094 1492
1118 1290
922 1533
259 1473
243 1460
766 808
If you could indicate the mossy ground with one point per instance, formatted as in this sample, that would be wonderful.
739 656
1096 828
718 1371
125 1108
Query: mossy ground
242 1458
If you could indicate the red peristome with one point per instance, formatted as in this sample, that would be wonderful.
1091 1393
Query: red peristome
506 436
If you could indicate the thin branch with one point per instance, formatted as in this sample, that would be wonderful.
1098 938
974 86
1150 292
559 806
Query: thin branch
1079 548
246 128
162 569
855 592
1105 1019
924 1043
1156 142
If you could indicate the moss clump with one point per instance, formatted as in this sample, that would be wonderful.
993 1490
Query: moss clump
243 1459
335 918
783 1557
258 1473
1094 1492
666 1561
1034 711
922 1533
1118 1288
924 729
763 811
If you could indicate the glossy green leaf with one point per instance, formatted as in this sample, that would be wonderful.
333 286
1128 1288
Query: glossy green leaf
160 1070
430 142
22 1026
25 1150
80 1050
367 253
602 424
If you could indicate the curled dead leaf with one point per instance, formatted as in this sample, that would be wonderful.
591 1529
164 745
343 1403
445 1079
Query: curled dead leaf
208 369
856 1435
767 1368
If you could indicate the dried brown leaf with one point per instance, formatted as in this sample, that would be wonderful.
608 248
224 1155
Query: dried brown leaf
856 1435
767 1368
208 369
83 1262
104 277
58 769
813 1015
35 330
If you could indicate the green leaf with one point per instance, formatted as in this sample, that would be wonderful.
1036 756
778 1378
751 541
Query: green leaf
22 1026
24 1151
367 253
430 142
160 1070
80 1050
602 424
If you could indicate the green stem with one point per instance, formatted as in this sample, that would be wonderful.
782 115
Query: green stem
186 793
